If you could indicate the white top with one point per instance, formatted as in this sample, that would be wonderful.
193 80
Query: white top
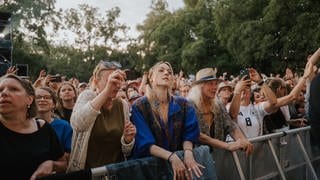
250 119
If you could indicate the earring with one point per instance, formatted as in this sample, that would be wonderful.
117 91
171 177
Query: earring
28 106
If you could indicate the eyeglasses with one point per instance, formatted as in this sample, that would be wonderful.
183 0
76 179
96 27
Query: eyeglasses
38 97
111 64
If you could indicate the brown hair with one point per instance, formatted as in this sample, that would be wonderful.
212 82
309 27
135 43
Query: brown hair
27 86
52 93
71 85
276 83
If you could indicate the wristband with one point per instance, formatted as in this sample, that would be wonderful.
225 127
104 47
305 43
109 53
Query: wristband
170 156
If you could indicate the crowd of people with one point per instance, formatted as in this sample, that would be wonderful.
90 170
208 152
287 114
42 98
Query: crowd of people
57 126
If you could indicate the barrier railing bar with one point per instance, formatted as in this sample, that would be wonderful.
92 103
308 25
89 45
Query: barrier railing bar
276 160
250 168
306 157
237 162
99 171
274 174
279 134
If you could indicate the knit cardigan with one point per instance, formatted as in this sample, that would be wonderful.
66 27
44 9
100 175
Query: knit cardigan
82 121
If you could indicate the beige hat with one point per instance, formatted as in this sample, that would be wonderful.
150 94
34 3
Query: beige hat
205 74
224 84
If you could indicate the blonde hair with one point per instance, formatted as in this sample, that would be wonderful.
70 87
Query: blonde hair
195 95
150 93
149 88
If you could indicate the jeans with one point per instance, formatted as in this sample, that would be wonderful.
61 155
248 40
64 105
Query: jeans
159 169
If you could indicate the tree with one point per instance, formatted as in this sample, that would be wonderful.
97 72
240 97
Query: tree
268 34
186 38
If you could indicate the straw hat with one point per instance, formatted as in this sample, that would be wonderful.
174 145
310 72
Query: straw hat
205 74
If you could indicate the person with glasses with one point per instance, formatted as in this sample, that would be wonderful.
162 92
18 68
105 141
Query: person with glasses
46 100
29 147
166 124
103 133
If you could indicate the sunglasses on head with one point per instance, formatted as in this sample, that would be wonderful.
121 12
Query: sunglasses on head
111 64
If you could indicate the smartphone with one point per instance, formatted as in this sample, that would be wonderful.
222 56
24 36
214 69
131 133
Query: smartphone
22 69
56 78
244 72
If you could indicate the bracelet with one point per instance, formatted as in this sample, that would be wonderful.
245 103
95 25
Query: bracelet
170 156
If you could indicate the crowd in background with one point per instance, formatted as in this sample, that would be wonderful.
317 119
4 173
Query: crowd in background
57 125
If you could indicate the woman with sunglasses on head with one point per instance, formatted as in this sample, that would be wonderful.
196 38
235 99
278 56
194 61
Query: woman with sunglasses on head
166 123
29 147
102 131
46 100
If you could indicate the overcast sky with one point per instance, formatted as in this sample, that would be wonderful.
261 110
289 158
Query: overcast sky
133 12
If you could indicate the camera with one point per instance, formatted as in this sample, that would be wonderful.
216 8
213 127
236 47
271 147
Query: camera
244 72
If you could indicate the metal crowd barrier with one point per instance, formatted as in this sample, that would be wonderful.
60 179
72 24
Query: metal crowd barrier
283 155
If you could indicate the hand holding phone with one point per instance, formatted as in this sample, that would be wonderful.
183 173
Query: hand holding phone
244 72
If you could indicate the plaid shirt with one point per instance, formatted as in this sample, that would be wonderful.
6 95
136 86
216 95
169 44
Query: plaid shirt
222 123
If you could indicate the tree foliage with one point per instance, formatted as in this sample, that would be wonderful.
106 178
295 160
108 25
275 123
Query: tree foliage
229 34
186 38
268 34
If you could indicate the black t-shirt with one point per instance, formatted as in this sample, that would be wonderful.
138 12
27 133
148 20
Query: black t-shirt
67 114
21 154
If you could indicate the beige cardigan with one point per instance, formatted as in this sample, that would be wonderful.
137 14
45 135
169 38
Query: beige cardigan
82 120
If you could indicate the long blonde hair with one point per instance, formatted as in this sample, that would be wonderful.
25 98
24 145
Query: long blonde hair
195 95
150 93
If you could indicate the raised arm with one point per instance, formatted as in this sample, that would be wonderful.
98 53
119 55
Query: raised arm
236 99
315 57
270 105
297 89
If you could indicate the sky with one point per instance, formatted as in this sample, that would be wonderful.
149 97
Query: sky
133 12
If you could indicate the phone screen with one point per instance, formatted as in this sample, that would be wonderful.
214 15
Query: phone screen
244 72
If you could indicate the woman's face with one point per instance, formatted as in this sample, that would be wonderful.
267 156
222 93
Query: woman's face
209 89
225 92
67 92
258 97
184 90
246 93
44 101
13 97
162 75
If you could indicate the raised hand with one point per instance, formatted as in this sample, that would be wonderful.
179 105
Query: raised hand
129 131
